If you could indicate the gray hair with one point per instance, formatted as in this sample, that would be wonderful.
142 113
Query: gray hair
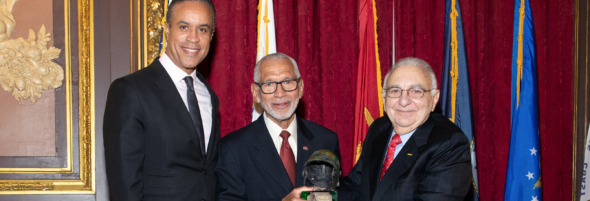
411 61
274 56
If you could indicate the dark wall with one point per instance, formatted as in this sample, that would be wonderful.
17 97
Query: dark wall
112 60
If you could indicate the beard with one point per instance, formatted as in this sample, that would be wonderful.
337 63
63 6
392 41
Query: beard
279 117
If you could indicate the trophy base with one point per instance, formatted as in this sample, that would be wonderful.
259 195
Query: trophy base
319 195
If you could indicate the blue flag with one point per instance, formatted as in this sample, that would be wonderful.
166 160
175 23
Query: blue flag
456 98
523 176
162 47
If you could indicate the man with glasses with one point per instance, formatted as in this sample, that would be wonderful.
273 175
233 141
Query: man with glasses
264 160
410 154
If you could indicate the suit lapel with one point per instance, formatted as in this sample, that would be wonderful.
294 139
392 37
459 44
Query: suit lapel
403 161
211 147
268 157
304 138
400 165
378 150
167 87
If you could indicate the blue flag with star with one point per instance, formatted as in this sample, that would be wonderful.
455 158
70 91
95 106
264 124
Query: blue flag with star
523 176
456 98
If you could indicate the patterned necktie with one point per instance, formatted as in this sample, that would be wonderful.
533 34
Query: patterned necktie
288 157
390 153
195 112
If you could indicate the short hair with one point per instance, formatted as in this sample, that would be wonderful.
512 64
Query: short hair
174 2
411 61
275 56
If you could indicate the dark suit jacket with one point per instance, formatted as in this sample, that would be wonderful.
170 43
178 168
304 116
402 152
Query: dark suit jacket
434 164
250 167
151 144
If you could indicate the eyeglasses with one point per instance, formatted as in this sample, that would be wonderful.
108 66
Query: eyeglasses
414 93
271 86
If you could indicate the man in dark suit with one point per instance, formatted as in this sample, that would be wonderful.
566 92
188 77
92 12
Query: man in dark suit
410 154
264 160
161 123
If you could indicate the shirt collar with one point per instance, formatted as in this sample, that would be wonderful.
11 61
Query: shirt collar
275 130
404 137
174 71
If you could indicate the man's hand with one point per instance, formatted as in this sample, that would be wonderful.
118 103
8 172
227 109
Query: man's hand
296 193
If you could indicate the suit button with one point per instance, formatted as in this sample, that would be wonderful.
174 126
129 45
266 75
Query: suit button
203 200
204 172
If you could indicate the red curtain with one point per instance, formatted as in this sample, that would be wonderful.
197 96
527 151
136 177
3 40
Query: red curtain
322 36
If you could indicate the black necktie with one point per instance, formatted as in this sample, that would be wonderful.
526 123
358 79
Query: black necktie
193 109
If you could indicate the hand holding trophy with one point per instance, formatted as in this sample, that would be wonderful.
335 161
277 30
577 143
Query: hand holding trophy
322 170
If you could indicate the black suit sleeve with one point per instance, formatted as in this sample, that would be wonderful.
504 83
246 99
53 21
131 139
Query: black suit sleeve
230 179
447 175
123 138
337 149
350 185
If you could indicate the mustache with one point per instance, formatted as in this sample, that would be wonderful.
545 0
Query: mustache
282 100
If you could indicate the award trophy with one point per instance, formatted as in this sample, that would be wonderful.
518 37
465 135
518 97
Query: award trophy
322 170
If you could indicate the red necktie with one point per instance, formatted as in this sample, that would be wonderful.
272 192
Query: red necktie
390 153
288 157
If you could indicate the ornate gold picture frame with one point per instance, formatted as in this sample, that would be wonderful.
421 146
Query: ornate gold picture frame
72 171
147 25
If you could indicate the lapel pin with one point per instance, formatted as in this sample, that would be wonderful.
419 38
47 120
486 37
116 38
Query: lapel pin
409 154
305 148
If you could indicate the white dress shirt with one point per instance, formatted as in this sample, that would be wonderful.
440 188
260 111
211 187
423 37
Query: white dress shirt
275 133
205 105
404 138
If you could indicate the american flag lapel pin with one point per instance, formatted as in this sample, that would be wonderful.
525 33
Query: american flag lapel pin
305 148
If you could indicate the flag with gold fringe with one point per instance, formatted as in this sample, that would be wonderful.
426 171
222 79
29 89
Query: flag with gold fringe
266 40
455 94
523 175
369 99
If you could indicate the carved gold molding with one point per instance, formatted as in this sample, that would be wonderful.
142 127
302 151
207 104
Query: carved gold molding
155 25
26 66
150 26
86 184
86 44
26 186
68 88
43 187
7 21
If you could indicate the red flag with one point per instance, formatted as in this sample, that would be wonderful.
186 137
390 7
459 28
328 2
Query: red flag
369 100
